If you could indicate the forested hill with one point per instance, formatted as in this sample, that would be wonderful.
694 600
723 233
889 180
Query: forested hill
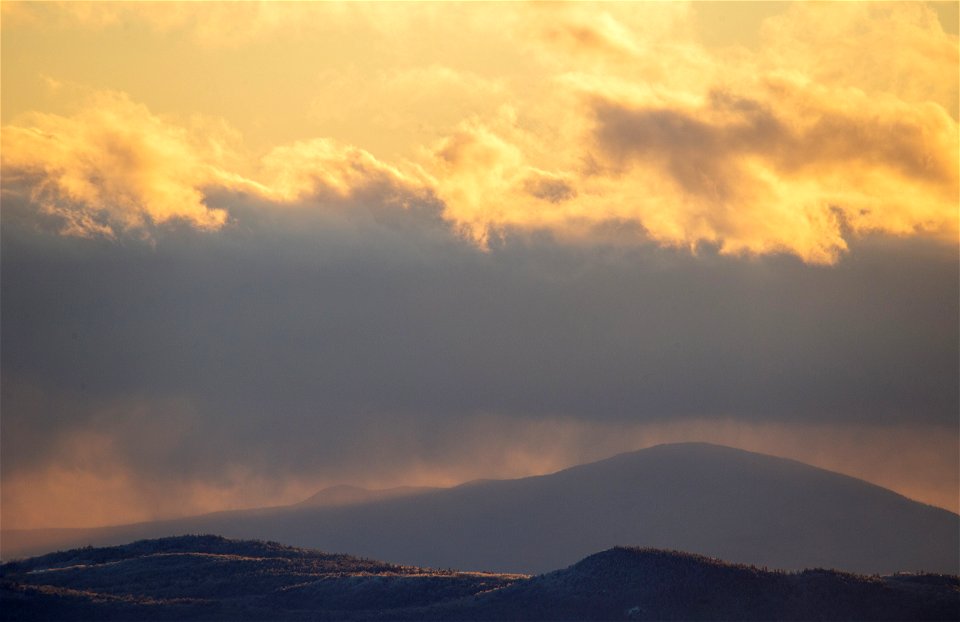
212 578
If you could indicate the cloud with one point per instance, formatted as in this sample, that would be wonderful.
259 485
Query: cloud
341 336
757 156
789 171
839 122
883 49
320 166
116 167
549 187
112 166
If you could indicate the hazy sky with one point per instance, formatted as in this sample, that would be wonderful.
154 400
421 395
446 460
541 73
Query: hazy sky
249 250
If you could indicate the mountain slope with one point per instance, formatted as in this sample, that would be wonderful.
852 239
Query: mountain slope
211 578
728 503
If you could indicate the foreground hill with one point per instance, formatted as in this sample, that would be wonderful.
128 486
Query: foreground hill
211 578
651 584
736 505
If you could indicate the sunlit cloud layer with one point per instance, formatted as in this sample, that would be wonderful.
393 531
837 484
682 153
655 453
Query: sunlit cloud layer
841 121
113 165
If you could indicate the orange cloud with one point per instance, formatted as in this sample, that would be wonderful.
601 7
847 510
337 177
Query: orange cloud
322 166
840 121
787 169
114 165
883 49
756 156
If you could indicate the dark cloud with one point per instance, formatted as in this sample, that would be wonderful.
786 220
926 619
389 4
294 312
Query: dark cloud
702 149
548 188
292 337
699 155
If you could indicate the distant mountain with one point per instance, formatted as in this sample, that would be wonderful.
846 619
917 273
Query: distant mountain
353 495
736 505
211 578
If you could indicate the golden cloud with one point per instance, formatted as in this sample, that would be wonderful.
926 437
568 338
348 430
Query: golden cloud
791 148
321 166
112 165
789 170
840 121
880 48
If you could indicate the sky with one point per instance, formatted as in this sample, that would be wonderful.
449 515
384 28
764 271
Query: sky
252 250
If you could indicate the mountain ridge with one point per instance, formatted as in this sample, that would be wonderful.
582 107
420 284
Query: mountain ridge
723 502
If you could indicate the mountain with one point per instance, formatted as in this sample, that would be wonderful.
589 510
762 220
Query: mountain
211 578
739 506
